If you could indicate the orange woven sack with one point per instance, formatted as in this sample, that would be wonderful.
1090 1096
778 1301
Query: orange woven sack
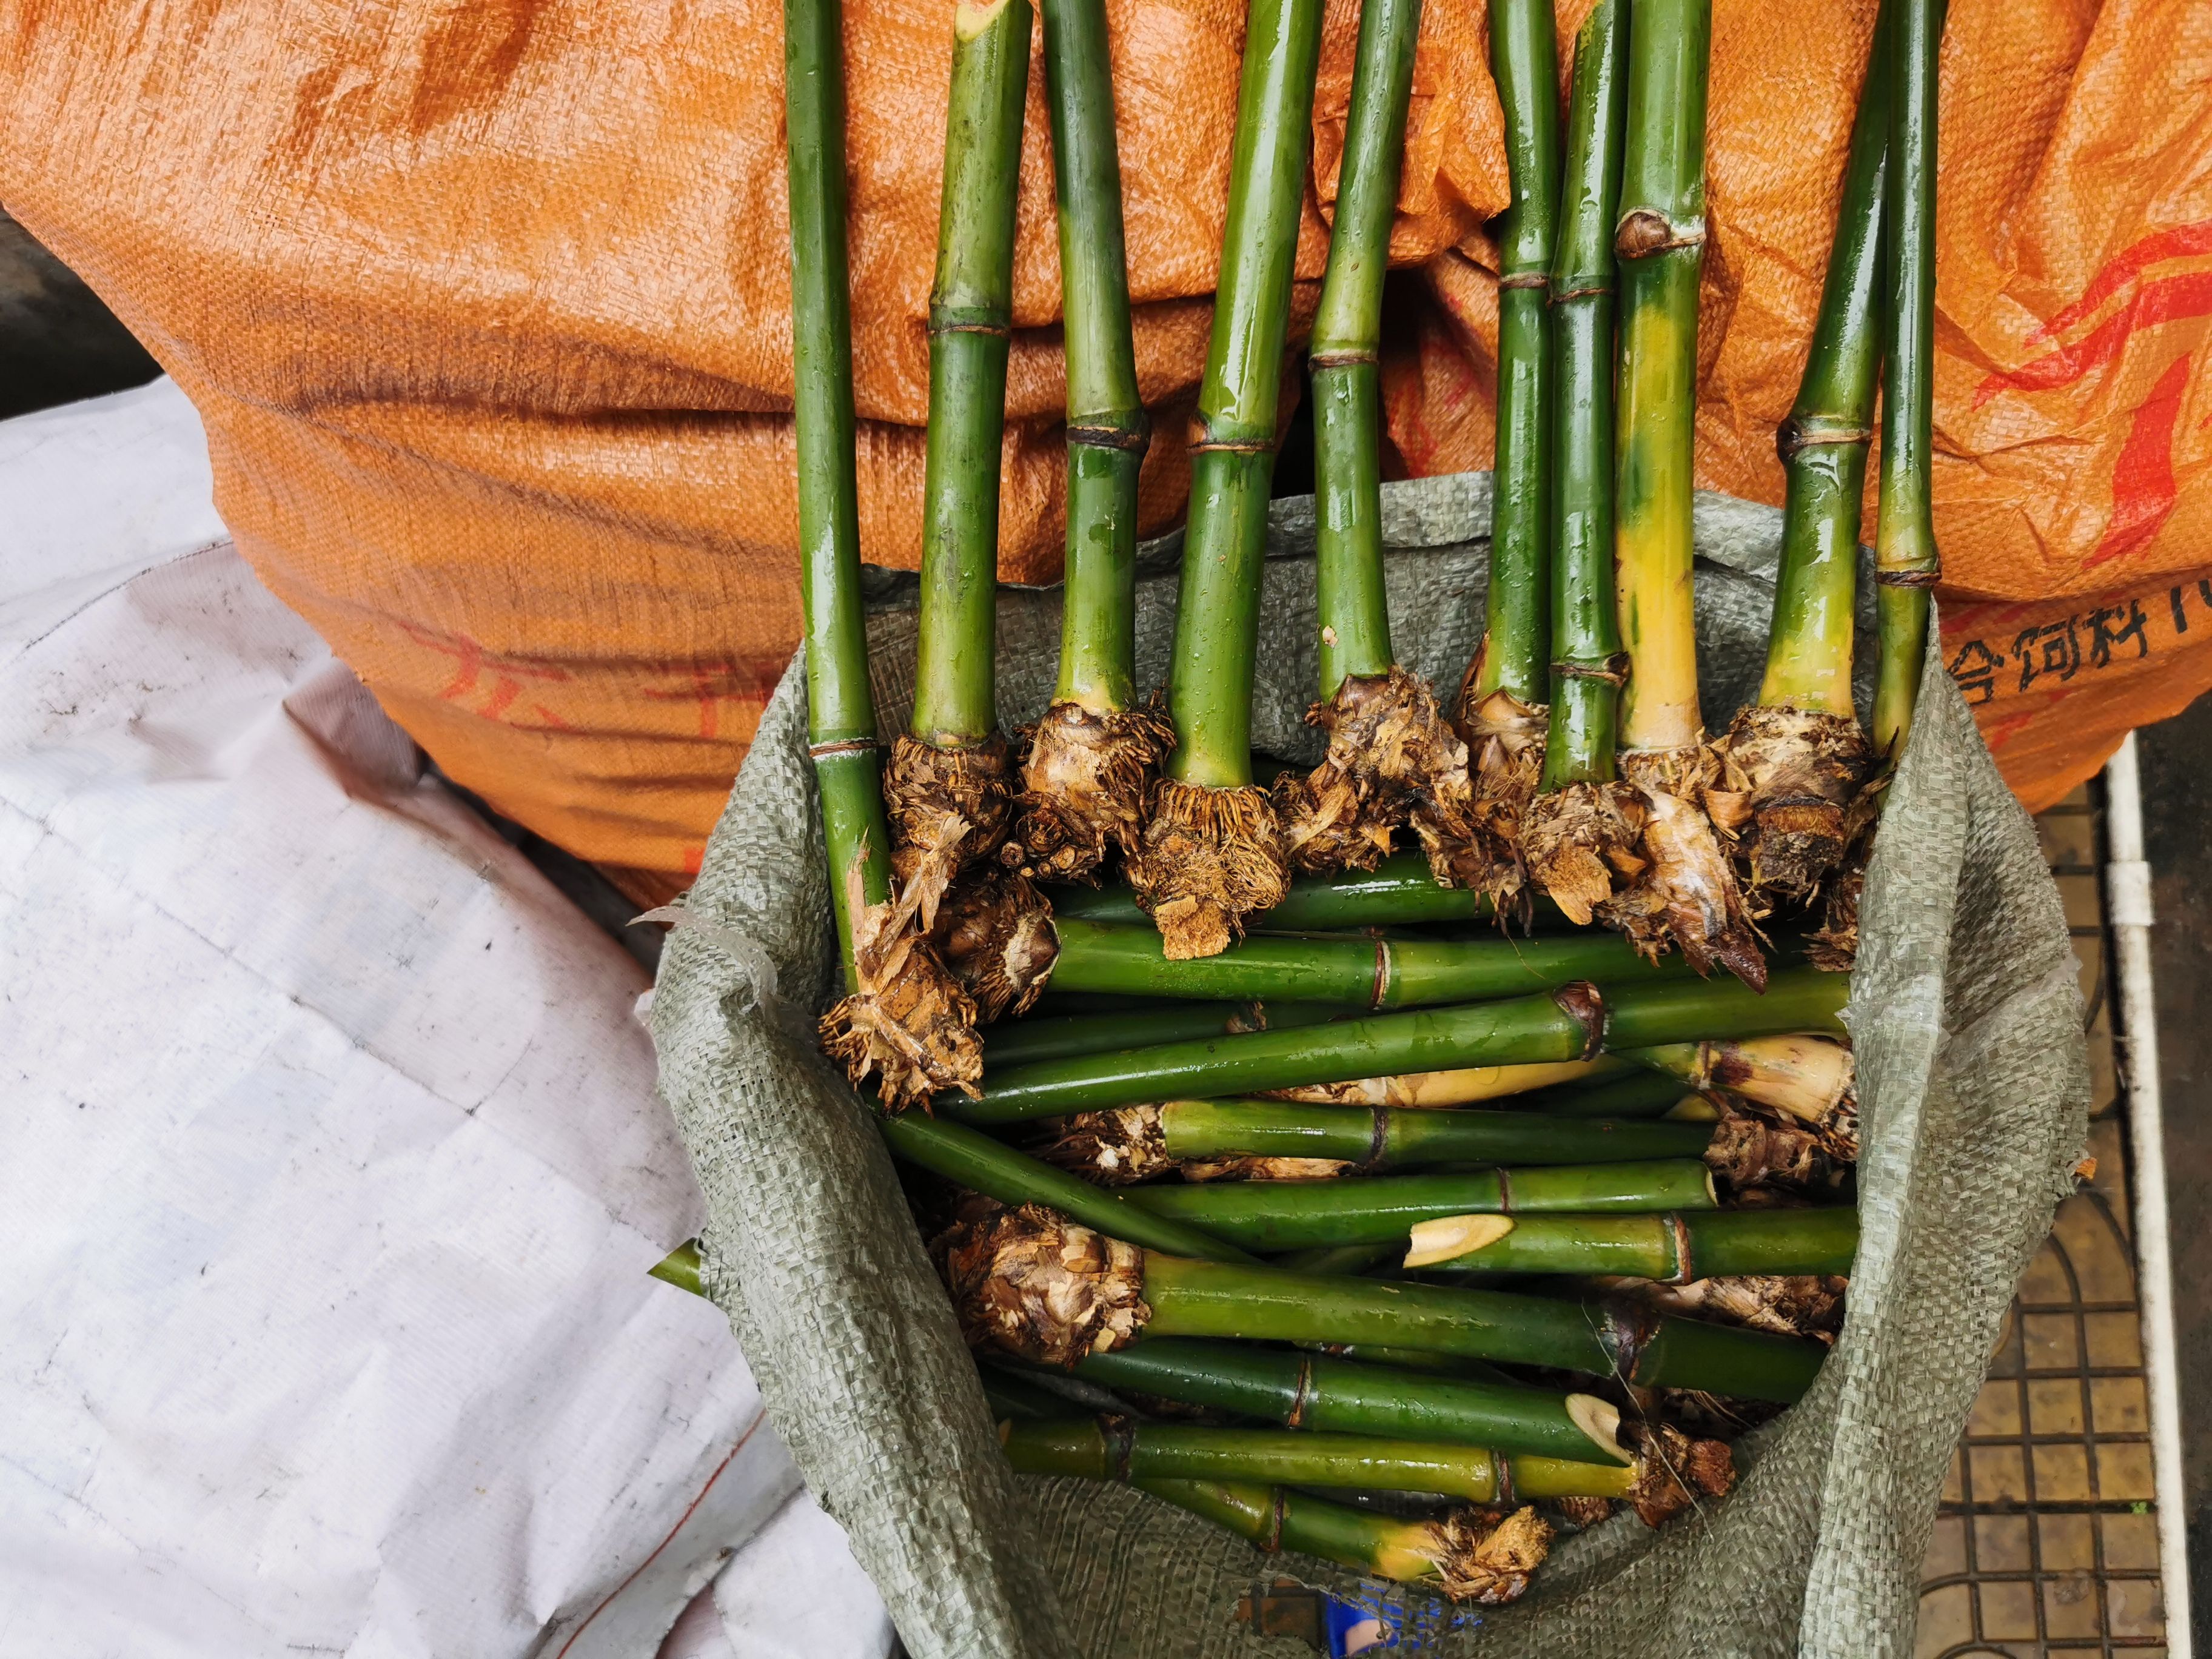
484 303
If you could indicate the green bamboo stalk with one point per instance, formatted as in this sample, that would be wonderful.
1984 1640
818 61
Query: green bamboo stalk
1397 973
1660 242
1385 1138
1342 1396
1272 1519
1019 1042
1398 892
1290 1215
1585 686
982 1164
1262 1304
1107 428
841 711
1524 63
1824 442
1676 1248
1346 360
1561 1026
1906 562
1217 618
1636 1096
970 333
1334 1259
1119 1450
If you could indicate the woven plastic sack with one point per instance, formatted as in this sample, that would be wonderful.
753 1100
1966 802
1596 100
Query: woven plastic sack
485 304
1974 1089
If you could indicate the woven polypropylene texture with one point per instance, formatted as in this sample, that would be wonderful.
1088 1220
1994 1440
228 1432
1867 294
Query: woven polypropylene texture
1973 1094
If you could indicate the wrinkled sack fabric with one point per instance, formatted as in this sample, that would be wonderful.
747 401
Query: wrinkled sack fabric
1974 1090
487 310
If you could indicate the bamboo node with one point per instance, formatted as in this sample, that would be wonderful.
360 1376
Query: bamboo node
822 751
1526 279
1584 1004
1233 447
1613 670
1794 434
1343 357
1908 578
1130 441
1646 231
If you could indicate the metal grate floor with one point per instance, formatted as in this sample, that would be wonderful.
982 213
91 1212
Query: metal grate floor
2046 1542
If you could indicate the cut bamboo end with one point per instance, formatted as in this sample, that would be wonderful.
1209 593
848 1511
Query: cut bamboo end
970 18
1601 1421
1806 1077
1450 1238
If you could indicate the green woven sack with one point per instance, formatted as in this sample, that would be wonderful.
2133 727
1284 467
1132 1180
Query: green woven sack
1974 1089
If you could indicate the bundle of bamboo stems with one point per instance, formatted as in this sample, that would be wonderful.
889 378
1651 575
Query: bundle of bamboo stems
1302 1182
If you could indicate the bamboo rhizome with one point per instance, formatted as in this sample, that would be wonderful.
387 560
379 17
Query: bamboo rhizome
1577 1021
1581 834
1094 755
1688 894
1808 1080
950 785
1324 1395
1134 1143
1118 1448
1797 760
1392 754
1502 702
1269 1216
1212 854
1676 1248
1906 562
905 1019
1044 1290
1468 1556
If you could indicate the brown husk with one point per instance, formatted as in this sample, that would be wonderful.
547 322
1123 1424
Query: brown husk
1807 1305
909 1022
1113 1148
1030 1284
1210 857
1084 787
936 798
1798 773
1389 746
1580 1512
1582 841
1835 947
1747 1150
1674 1472
1688 895
1504 739
1482 1559
995 933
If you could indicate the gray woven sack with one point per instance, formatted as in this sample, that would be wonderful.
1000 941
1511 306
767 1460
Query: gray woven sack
1973 1086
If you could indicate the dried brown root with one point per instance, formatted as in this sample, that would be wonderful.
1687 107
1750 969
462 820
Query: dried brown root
1462 852
1747 1153
1505 761
909 1023
1265 1169
1806 1305
1030 1284
936 798
1210 857
1798 774
1583 840
1084 787
1581 1512
1674 1472
1388 746
1113 1148
1835 947
994 933
1482 1559
1688 895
